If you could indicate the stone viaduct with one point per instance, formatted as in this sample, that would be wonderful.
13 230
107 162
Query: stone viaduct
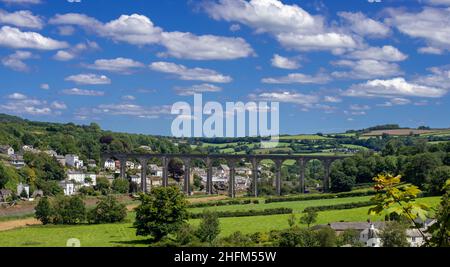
232 161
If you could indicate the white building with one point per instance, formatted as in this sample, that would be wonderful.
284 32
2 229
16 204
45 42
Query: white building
74 161
7 150
370 237
155 170
21 187
110 165
17 161
68 187
80 178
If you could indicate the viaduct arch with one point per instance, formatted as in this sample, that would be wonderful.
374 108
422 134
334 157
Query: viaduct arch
232 161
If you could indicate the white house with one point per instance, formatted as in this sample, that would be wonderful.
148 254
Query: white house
80 178
7 150
68 187
74 161
370 237
17 161
29 148
21 187
110 165
155 170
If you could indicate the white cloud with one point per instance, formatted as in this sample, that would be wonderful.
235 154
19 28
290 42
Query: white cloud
195 74
205 47
439 2
139 30
299 78
119 65
81 92
23 105
63 56
291 25
128 98
45 86
431 24
15 38
22 18
364 26
366 69
332 99
66 30
73 52
92 79
395 102
287 97
15 61
385 53
133 110
393 88
358 107
235 27
197 89
439 77
284 62
430 50
323 41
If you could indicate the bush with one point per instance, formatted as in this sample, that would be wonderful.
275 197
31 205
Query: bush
69 210
223 203
121 186
321 196
161 213
209 227
44 211
108 210
49 188
103 185
88 191
343 206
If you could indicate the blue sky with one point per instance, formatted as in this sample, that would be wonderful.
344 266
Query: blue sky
332 65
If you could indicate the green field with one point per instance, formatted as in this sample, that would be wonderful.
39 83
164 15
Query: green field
122 234
304 137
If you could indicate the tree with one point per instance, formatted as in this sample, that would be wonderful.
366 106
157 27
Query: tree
436 181
108 210
309 217
326 237
349 237
420 166
175 168
394 235
9 178
24 193
340 182
43 211
69 210
440 230
291 220
393 199
209 227
121 186
103 185
161 213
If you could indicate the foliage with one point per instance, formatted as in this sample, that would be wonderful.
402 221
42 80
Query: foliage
8 177
241 213
320 196
340 182
393 199
440 230
161 213
349 237
46 167
343 206
44 211
69 210
108 210
292 220
103 185
209 227
49 188
326 237
394 234
309 217
121 186
223 203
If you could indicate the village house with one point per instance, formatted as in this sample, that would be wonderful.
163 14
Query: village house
68 187
61 160
92 163
155 170
31 149
74 161
7 150
110 165
80 178
21 187
17 161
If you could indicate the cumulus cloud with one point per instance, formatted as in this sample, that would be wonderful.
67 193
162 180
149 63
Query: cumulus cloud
197 89
287 97
45 86
15 38
24 105
119 65
431 24
284 62
139 30
82 92
439 77
385 53
364 26
91 79
194 74
73 52
127 109
366 69
21 2
301 78
291 25
16 60
22 18
397 87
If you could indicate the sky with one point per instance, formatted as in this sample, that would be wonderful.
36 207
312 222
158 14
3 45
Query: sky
332 65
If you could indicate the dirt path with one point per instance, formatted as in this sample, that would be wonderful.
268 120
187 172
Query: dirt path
9 225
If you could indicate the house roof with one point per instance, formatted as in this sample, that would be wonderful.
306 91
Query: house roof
224 167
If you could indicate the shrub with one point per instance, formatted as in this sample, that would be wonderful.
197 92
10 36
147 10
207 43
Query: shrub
103 185
321 196
44 211
209 227
88 191
343 206
121 186
108 210
161 213
248 213
223 203
69 210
